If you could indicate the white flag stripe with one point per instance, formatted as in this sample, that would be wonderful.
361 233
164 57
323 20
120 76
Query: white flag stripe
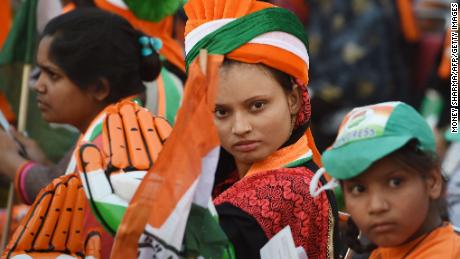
206 180
172 231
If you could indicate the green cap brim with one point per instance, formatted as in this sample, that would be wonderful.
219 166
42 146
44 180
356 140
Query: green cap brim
352 159
452 136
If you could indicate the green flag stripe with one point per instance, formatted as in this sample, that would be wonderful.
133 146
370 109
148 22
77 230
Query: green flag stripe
240 31
96 132
153 10
298 162
112 215
21 42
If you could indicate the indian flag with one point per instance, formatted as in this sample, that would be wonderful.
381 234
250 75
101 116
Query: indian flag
156 219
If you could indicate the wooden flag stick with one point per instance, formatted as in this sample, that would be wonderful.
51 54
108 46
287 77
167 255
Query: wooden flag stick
203 60
22 118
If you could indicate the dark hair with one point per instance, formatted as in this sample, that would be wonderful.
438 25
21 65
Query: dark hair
91 45
83 3
418 161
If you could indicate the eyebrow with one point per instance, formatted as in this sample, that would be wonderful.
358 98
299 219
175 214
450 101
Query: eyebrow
257 97
48 68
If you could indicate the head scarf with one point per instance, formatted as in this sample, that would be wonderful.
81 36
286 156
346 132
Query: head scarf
245 31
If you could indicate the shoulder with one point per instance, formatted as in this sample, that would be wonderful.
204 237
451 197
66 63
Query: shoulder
280 184
444 244
280 197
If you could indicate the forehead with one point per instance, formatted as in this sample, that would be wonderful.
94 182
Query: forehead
242 81
44 47
380 170
43 52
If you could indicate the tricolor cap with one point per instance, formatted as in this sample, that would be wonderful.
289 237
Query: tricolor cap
372 132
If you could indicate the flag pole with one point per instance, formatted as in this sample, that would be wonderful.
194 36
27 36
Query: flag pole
22 118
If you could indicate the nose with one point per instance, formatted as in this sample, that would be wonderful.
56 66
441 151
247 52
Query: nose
241 124
377 203
40 86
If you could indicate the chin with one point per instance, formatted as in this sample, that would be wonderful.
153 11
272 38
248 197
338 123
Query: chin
388 241
250 158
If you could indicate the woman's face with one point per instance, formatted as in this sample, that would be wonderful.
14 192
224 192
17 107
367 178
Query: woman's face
389 203
253 114
58 98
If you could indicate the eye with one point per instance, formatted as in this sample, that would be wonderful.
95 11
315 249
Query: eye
356 189
36 74
395 182
257 106
53 76
220 113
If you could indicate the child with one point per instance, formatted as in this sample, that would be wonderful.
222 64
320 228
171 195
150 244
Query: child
384 157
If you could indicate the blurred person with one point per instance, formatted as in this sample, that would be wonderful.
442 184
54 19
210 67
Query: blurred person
363 53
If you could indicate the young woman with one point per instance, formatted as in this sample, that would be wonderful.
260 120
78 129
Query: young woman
76 83
262 115
384 157
89 59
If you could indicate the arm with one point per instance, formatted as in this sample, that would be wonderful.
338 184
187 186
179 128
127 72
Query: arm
38 176
10 160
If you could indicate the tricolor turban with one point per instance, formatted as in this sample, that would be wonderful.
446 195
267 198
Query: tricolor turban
248 31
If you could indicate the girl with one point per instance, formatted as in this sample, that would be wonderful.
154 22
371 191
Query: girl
384 156
262 115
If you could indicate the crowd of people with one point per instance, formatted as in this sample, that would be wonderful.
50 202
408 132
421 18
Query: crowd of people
383 182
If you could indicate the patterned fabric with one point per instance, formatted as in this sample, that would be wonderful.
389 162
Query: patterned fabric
304 115
279 198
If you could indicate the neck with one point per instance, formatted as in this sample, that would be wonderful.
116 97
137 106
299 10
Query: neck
242 168
83 125
432 221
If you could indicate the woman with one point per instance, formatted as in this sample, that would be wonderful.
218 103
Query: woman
262 115
89 59
83 71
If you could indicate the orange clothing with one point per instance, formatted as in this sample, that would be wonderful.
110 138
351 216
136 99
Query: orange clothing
441 243
5 20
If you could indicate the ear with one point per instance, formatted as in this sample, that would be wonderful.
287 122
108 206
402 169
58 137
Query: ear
295 100
434 183
101 90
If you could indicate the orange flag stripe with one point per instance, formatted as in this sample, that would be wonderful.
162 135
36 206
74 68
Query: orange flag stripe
179 163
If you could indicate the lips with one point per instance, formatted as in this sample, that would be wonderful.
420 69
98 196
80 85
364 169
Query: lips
382 227
246 146
41 104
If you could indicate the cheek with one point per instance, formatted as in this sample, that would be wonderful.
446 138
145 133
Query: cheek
357 210
419 202
224 131
275 124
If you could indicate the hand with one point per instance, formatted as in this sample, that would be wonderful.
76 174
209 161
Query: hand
10 160
54 224
132 139
32 149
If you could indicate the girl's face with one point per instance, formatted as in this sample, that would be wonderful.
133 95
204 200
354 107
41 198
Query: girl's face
253 114
58 98
389 203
